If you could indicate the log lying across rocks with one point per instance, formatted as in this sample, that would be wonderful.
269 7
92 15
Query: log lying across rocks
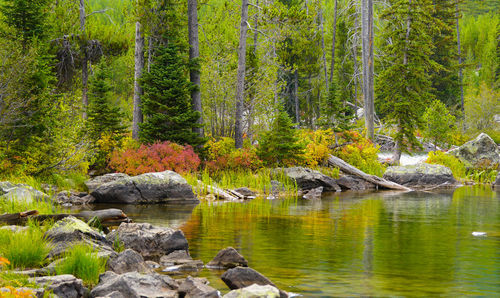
217 192
107 217
334 161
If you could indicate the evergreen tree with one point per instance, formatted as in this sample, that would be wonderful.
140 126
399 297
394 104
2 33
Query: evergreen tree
438 123
404 87
280 145
166 102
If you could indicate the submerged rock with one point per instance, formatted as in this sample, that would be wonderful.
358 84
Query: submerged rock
161 187
134 285
227 258
482 152
313 194
308 179
69 231
420 175
254 291
151 242
65 285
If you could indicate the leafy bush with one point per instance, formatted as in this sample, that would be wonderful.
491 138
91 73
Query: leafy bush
454 164
221 147
240 159
318 145
25 249
359 152
155 158
439 123
82 261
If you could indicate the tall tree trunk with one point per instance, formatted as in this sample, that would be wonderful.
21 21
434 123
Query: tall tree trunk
85 72
367 53
334 33
296 96
457 14
323 50
194 53
139 67
255 32
397 149
240 79
355 60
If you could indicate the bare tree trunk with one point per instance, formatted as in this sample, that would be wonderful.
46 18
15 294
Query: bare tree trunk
240 84
296 97
255 26
85 72
460 63
355 60
334 32
139 66
321 22
367 53
194 53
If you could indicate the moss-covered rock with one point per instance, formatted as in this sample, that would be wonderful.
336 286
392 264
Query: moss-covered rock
482 152
420 175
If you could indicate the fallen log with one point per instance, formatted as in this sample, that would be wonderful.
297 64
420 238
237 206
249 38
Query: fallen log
107 217
334 161
217 192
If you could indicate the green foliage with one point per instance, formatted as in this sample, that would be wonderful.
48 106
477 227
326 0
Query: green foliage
26 249
317 146
404 87
280 145
118 245
166 103
82 261
480 109
485 176
454 164
439 123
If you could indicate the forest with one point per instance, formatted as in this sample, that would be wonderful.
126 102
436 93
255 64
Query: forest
92 86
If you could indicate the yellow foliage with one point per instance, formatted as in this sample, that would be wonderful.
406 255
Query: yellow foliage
218 148
318 145
16 293
4 261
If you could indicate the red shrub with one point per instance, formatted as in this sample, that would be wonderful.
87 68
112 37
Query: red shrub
157 157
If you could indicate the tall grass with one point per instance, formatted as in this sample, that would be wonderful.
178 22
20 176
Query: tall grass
43 207
82 261
26 249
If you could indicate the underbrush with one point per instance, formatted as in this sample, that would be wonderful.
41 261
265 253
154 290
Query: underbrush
82 262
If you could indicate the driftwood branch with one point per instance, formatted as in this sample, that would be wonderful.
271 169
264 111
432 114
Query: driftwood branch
334 161
217 192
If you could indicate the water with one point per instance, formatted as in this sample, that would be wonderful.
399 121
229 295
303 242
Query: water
351 244
406 159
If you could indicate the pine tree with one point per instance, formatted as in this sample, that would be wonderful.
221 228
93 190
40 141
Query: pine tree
404 87
280 145
166 102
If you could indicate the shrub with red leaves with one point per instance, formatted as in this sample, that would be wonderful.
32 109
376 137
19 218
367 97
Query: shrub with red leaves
157 157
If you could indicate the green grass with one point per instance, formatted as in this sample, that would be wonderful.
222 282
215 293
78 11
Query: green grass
26 249
82 261
14 206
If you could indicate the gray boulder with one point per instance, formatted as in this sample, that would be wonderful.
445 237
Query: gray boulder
180 260
254 291
95 182
65 285
128 261
70 230
194 287
20 193
134 285
151 242
350 182
242 277
482 152
227 258
308 179
161 187
246 193
72 198
420 175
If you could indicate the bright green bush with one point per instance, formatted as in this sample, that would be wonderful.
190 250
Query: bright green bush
82 261
26 249
456 166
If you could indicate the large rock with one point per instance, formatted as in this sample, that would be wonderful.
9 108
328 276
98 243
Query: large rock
194 287
151 242
128 261
350 182
158 187
134 285
242 277
20 193
95 182
69 231
227 258
308 179
254 291
420 175
66 285
482 152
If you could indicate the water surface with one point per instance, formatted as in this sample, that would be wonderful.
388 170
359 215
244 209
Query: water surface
350 244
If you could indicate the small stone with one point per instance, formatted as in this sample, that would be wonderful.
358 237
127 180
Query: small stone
228 258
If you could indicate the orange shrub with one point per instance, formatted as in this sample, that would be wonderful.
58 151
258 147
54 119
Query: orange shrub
240 159
157 157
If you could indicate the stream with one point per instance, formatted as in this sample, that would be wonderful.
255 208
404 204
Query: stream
351 244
